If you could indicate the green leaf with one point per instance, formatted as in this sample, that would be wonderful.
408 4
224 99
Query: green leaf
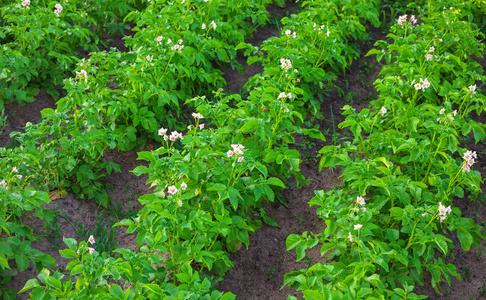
275 181
292 241
465 238
30 284
116 291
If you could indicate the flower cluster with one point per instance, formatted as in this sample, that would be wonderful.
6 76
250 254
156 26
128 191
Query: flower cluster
468 157
289 32
361 201
443 211
429 57
283 95
26 4
173 136
82 74
319 28
92 242
58 9
213 24
423 84
286 64
403 19
237 152
171 190
197 116
446 117
159 40
178 46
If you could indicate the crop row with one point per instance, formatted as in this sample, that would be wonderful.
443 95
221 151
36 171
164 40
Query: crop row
389 225
209 179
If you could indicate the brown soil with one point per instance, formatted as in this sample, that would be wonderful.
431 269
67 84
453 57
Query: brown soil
258 272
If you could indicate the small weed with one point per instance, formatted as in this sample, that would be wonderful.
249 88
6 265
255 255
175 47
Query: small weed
483 290
466 272
365 67
271 271
53 230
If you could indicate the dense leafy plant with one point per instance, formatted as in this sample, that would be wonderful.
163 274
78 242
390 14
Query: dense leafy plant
387 225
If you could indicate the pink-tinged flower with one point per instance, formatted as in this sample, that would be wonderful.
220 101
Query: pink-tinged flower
183 186
19 176
240 159
363 209
470 161
357 226
465 168
91 250
162 131
166 138
439 120
431 49
418 86
360 200
214 25
350 236
296 71
171 190
429 56
148 57
281 96
159 38
425 83
15 170
383 111
3 183
91 240
201 126
26 3
229 153
424 214
286 64
203 26
180 203
442 111
402 19
442 218
451 118
413 20
238 151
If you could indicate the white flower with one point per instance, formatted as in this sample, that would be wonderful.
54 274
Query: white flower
238 151
189 127
201 126
91 250
432 49
214 25
169 41
288 32
350 237
413 20
183 186
162 131
15 170
171 190
383 110
281 96
91 240
148 57
229 153
472 88
455 112
159 38
357 226
240 159
360 200
429 56
465 168
441 112
203 26
442 219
